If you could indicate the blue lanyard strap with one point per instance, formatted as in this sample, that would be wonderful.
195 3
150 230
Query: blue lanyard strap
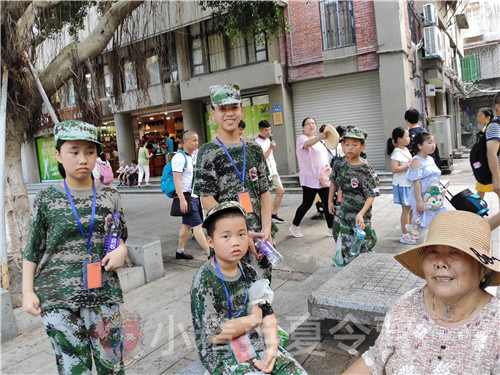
228 297
77 218
241 176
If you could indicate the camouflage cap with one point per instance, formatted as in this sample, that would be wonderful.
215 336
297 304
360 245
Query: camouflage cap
355 133
229 205
76 131
225 94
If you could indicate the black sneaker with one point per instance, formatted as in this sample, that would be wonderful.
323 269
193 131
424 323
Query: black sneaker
317 216
182 255
277 219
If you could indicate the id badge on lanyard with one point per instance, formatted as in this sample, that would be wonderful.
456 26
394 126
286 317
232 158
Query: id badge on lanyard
92 270
241 346
244 196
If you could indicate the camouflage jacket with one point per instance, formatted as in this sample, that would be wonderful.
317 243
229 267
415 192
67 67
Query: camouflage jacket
209 309
215 175
57 245
357 184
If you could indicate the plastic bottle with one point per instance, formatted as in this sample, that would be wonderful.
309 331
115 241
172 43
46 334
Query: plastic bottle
113 233
269 251
357 242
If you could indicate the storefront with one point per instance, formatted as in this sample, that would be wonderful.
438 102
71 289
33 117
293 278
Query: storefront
256 109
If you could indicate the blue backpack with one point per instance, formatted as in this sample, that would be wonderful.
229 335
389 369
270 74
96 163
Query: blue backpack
167 178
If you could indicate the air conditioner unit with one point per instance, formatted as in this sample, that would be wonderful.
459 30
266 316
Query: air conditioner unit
430 14
433 43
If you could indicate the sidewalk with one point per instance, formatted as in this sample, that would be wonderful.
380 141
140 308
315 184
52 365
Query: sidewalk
165 303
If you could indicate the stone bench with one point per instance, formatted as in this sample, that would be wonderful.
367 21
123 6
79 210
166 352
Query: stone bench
145 251
363 291
290 309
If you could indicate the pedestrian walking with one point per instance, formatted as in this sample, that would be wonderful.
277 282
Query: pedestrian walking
144 156
268 145
183 174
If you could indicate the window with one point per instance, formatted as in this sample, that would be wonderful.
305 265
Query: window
130 77
212 51
108 81
153 68
337 24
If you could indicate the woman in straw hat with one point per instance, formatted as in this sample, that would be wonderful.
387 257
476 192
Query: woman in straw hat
451 325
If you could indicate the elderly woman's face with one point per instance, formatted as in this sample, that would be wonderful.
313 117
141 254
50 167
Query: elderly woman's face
450 273
309 127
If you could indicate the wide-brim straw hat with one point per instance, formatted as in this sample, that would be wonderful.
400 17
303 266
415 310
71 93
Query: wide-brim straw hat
332 137
465 231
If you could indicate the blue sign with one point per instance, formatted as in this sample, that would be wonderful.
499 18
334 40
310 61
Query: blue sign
276 108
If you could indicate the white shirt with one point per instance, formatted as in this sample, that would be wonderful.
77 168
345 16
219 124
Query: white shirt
179 166
404 157
271 163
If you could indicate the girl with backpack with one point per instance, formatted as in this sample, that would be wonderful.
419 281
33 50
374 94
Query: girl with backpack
484 116
67 279
400 163
103 172
423 173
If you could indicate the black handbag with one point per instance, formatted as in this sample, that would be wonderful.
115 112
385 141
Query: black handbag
175 210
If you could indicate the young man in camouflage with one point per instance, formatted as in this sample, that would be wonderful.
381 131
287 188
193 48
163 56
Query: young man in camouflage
355 180
56 255
231 169
219 304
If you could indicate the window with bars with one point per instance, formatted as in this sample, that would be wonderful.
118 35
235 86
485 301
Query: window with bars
337 24
212 51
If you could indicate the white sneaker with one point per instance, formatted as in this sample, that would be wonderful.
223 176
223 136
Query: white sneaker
295 231
329 233
406 238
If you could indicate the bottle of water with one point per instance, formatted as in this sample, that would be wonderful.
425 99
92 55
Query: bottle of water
357 242
269 251
113 233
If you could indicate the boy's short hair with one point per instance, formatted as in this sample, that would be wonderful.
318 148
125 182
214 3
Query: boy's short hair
263 124
355 133
225 94
133 161
222 210
242 124
412 115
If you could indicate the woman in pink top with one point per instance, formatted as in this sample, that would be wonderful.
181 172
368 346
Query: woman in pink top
312 157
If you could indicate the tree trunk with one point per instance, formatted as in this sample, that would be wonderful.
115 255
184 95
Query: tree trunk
17 205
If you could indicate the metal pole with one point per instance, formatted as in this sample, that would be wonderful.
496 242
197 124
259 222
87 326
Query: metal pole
3 118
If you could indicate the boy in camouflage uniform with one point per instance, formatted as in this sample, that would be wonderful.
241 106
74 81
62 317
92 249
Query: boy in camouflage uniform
219 304
231 169
54 256
356 182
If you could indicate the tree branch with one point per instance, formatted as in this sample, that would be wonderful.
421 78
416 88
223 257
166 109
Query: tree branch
27 20
60 69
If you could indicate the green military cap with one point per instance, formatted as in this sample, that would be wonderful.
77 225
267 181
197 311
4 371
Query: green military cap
75 131
225 94
224 206
355 133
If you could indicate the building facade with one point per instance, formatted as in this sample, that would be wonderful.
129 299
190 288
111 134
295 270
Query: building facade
480 65
359 63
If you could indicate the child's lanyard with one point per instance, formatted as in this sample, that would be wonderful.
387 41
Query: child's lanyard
227 292
78 219
241 176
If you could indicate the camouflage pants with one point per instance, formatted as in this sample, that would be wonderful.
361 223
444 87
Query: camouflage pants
285 365
74 337
344 231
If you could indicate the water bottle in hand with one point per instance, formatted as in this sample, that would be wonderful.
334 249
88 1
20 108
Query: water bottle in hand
357 242
269 251
113 233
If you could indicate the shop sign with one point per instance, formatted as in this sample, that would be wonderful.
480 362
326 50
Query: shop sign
47 159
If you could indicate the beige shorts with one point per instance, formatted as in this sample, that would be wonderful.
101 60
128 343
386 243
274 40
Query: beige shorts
276 182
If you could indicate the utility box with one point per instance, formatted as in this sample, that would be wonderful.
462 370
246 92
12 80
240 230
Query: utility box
441 129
